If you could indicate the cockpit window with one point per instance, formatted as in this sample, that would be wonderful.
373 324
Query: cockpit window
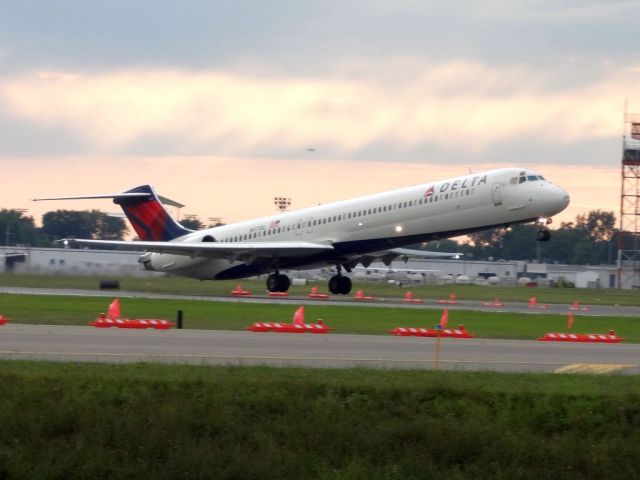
522 179
532 178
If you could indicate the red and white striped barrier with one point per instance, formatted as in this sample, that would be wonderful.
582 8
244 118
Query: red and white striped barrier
276 294
577 307
431 332
361 296
288 327
240 292
581 337
409 298
533 303
318 296
450 301
3 320
496 303
140 324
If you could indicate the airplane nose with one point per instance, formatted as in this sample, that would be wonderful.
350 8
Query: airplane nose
558 200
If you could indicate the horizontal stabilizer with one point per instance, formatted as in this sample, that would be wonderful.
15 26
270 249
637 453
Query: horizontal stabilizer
107 195
115 196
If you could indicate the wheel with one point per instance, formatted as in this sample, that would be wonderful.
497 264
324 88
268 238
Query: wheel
543 235
283 282
334 284
272 283
344 285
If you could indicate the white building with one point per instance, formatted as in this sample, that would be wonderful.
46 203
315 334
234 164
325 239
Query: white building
67 261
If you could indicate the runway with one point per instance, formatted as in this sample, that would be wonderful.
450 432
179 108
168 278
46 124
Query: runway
210 347
514 307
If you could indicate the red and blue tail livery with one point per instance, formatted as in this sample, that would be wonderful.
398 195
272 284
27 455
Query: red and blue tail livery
147 215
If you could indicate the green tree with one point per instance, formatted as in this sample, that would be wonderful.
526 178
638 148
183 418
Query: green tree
519 243
17 229
192 222
600 225
82 224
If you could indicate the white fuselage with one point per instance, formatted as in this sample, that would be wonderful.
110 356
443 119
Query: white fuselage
381 221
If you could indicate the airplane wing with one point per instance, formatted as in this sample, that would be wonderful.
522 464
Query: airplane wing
411 253
232 251
388 256
250 251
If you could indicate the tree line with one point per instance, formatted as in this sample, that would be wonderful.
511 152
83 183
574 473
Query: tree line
19 229
591 239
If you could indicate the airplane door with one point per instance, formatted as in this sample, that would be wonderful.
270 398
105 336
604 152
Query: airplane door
299 227
496 194
309 225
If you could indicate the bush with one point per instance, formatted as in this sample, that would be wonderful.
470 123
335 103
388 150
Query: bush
562 282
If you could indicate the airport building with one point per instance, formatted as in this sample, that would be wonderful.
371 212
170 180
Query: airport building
68 261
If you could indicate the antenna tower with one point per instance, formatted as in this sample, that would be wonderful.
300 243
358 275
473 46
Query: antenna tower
629 236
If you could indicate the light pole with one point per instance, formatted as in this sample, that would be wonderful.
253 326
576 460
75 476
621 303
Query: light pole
281 203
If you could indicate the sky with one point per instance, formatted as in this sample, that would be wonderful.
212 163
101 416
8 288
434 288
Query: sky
223 105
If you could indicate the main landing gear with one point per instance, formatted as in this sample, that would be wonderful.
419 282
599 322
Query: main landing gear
543 235
278 282
339 284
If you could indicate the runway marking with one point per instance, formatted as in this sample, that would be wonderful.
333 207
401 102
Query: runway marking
155 356
593 368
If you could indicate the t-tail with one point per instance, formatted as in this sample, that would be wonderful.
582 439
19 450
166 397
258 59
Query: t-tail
145 210
147 215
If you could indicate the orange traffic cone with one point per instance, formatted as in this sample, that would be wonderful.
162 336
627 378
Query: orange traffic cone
114 310
569 320
298 316
444 319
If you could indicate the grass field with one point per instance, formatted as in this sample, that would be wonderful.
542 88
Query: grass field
54 310
216 288
165 422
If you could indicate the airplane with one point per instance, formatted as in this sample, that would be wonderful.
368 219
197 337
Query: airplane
341 234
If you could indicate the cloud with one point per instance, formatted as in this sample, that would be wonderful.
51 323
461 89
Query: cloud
468 107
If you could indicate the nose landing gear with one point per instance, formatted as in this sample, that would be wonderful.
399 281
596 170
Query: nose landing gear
543 235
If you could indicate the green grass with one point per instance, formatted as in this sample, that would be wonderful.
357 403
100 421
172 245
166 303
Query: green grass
59 310
187 286
165 422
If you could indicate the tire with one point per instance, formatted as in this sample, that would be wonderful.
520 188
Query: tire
283 282
543 235
272 283
334 284
344 285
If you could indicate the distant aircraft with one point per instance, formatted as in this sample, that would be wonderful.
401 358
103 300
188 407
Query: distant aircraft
341 234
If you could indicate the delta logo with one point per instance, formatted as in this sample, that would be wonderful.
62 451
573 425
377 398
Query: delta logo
461 184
